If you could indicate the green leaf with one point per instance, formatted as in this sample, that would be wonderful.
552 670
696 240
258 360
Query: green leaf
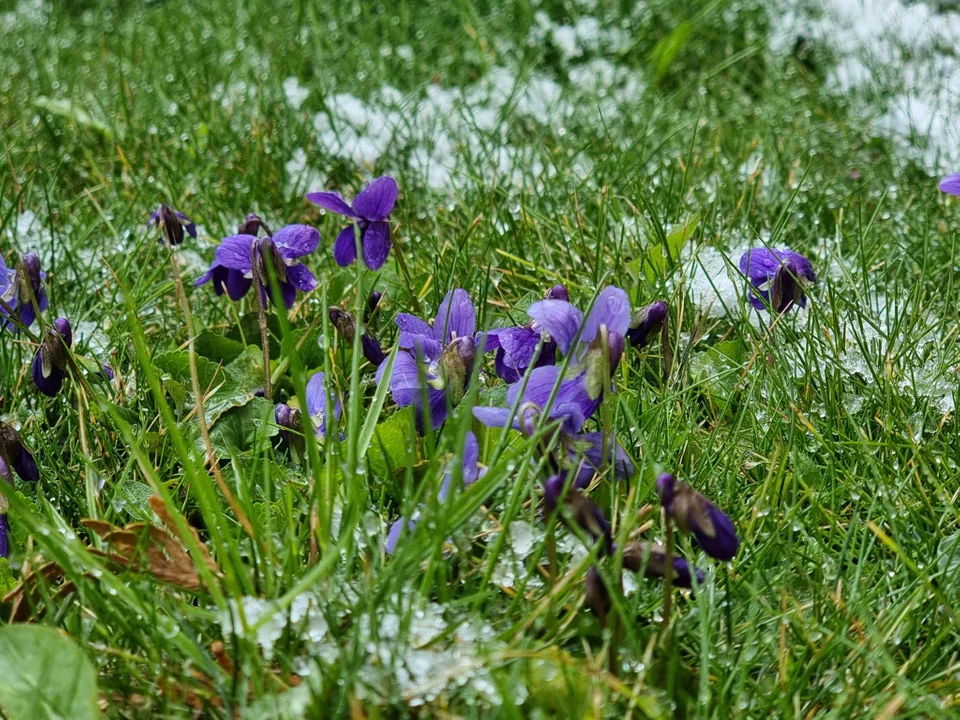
388 451
218 348
679 237
232 385
668 48
523 304
236 431
44 674
135 495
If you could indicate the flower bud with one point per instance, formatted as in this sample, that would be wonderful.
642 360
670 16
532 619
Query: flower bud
456 364
693 513
558 292
596 596
647 324
652 559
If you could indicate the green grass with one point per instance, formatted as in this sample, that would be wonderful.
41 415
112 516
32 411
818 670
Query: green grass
830 439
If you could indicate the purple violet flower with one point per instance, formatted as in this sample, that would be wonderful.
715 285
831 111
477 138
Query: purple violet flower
172 224
14 454
778 277
571 407
233 269
4 531
50 361
589 340
346 324
442 354
950 185
19 288
290 425
371 211
652 559
225 280
517 346
647 323
694 514
471 471
317 404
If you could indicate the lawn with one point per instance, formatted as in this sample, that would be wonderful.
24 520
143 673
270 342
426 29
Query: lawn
303 502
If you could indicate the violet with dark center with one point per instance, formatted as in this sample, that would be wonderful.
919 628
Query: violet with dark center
346 324
442 355
370 211
173 224
51 359
233 282
778 277
517 346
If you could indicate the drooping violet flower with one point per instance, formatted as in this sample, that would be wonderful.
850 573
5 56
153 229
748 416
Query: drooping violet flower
371 211
517 346
652 559
647 323
589 340
317 404
14 454
571 407
19 289
583 512
693 513
233 282
50 361
282 252
346 324
950 185
290 425
172 224
778 277
373 302
469 460
443 355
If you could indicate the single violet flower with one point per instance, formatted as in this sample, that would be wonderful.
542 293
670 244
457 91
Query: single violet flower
14 454
517 346
233 282
50 361
346 324
443 355
21 288
779 277
282 251
693 513
652 559
469 460
290 426
172 224
371 211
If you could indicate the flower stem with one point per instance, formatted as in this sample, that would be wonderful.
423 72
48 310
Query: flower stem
258 286
667 580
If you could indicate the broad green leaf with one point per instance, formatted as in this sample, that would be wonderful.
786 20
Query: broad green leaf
389 449
237 429
218 348
135 494
668 48
44 675
680 236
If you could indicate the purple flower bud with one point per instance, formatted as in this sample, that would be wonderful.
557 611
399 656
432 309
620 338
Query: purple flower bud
371 349
596 596
373 302
647 323
108 372
558 292
693 513
291 429
14 454
652 559
343 322
252 226
583 511
172 224
50 361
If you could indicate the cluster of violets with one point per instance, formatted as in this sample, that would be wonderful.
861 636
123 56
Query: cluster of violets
558 365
